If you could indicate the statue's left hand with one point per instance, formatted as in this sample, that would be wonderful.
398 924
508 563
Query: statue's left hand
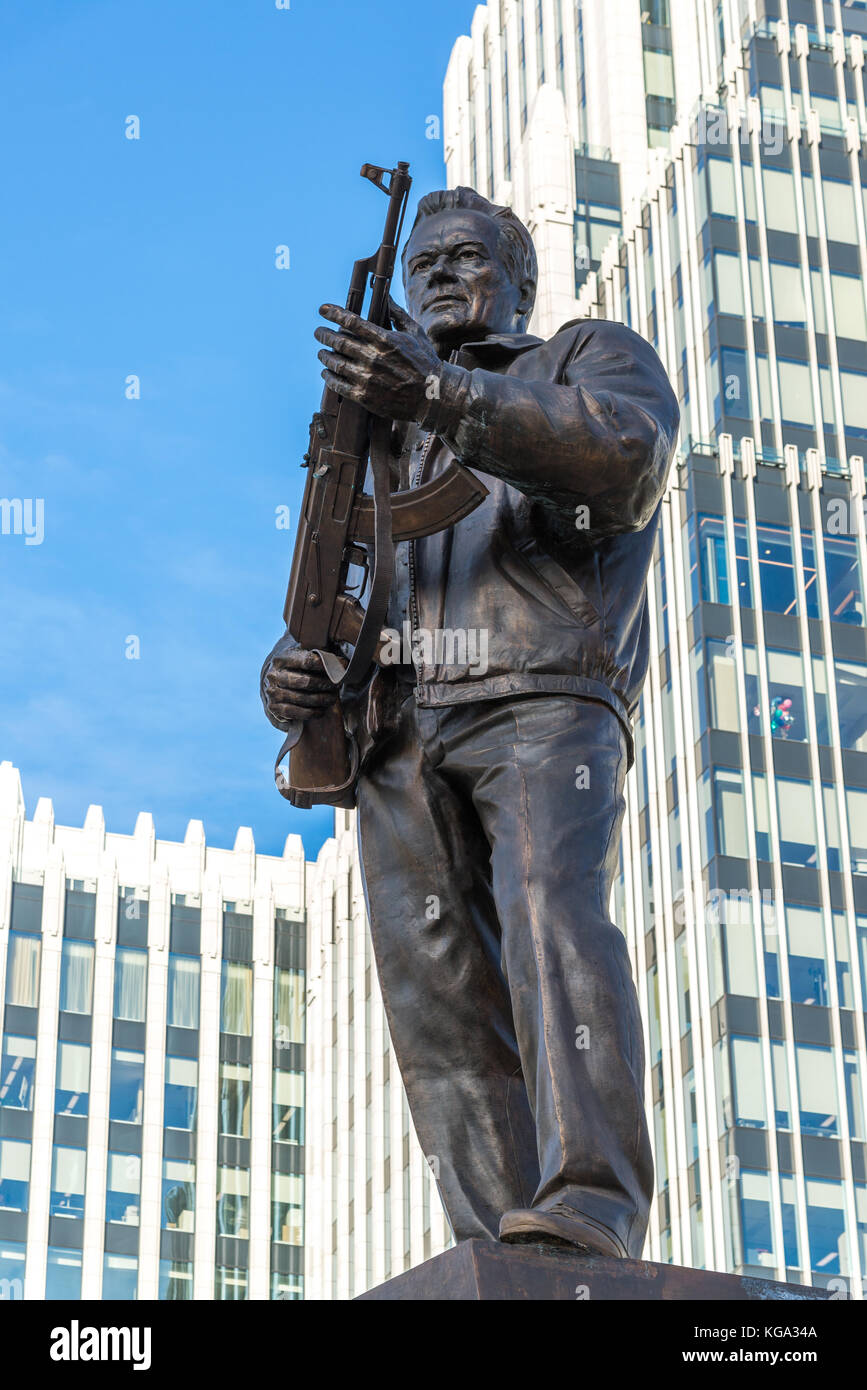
393 373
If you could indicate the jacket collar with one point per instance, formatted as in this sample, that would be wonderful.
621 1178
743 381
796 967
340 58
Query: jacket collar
500 345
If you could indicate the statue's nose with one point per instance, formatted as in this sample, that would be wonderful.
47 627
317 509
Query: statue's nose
441 270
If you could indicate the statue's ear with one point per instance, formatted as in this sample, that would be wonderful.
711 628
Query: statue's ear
527 298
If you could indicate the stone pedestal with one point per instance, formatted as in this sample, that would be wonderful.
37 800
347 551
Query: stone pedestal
486 1271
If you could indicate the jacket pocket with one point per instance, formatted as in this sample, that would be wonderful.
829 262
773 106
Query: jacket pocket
560 583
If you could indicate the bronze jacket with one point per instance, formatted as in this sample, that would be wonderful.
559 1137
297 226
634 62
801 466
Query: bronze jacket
574 438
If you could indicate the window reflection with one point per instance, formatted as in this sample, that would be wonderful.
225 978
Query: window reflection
179 1195
235 1083
72 1082
17 1072
127 1086
236 999
233 1202
14 1175
181 1092
123 1188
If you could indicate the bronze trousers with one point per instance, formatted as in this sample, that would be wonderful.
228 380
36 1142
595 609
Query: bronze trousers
489 838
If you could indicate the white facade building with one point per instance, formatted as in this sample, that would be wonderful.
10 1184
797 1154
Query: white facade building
155 1136
152 1073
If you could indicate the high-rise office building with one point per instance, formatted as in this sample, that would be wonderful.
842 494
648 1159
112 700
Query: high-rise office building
152 1069
696 170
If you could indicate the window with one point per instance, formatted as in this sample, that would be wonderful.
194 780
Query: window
748 1083
856 806
849 313
854 1095
776 569
176 1280
787 293
233 1202
709 558
808 971
779 187
63 1276
180 1094
72 1083
236 1000
288 1288
288 1107
27 908
729 284
782 1110
826 1226
659 74
739 947
722 187
235 1082
120 1277
67 1181
76 977
287 1209
730 815
761 810
811 586
854 388
17 1072
786 715
22 971
756 1227
797 822
288 1007
12 1268
179 1195
843 574
817 1089
756 1224
840 211
851 679
796 397
130 984
79 914
183 1010
735 385
127 1086
123 1188
14 1175
230 1285
691 1116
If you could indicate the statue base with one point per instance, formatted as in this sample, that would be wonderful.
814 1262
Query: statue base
486 1271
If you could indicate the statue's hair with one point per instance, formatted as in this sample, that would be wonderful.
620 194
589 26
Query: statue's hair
515 243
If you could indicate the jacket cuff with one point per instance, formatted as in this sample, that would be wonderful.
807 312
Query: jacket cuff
443 412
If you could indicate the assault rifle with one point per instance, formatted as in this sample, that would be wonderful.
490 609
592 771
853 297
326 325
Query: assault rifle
342 526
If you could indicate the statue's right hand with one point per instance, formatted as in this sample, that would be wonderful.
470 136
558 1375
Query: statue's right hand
293 685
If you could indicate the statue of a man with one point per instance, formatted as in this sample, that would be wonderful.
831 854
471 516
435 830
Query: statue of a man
490 796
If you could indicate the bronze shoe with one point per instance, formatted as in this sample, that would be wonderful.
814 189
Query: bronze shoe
563 1226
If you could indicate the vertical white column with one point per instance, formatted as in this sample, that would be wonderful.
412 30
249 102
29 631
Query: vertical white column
54 892
100 1071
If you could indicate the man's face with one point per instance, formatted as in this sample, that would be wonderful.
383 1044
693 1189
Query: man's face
457 287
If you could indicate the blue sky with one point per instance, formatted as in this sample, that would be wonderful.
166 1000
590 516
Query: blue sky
156 257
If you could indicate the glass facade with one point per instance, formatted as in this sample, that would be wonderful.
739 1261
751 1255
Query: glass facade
740 254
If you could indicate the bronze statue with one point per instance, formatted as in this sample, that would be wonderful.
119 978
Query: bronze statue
494 744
